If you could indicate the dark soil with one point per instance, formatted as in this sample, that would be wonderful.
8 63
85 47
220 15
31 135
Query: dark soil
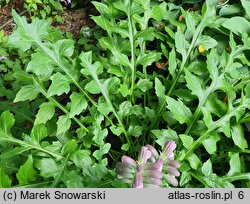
6 21
74 19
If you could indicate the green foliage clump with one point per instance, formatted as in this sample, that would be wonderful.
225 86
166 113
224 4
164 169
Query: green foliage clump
154 71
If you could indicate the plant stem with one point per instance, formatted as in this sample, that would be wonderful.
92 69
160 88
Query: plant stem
210 90
214 126
132 47
57 179
34 185
57 104
199 178
105 93
242 176
198 110
63 68
8 138
183 65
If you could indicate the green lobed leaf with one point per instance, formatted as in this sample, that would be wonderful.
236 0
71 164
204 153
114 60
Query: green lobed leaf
121 58
148 59
101 7
225 128
104 149
210 143
104 108
60 84
41 64
206 168
26 174
172 63
235 164
186 140
38 133
150 112
124 108
144 85
246 6
135 131
207 117
69 147
146 35
7 121
194 84
86 59
117 130
125 147
48 167
78 104
103 23
215 106
92 87
207 42
194 161
164 135
230 10
81 158
45 113
159 11
64 47
106 43
5 181
28 92
238 136
185 178
237 25
180 112
212 64
112 85
63 124
27 34
190 21
72 179
124 89
180 43
159 89
99 135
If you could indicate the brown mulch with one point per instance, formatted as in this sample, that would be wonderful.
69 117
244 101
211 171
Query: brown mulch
74 19
6 21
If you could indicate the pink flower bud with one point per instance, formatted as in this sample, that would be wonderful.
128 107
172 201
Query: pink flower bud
153 167
144 155
173 171
124 170
152 174
152 150
153 181
174 163
172 180
169 148
128 160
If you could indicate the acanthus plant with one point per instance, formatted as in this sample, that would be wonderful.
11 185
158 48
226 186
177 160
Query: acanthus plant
93 108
